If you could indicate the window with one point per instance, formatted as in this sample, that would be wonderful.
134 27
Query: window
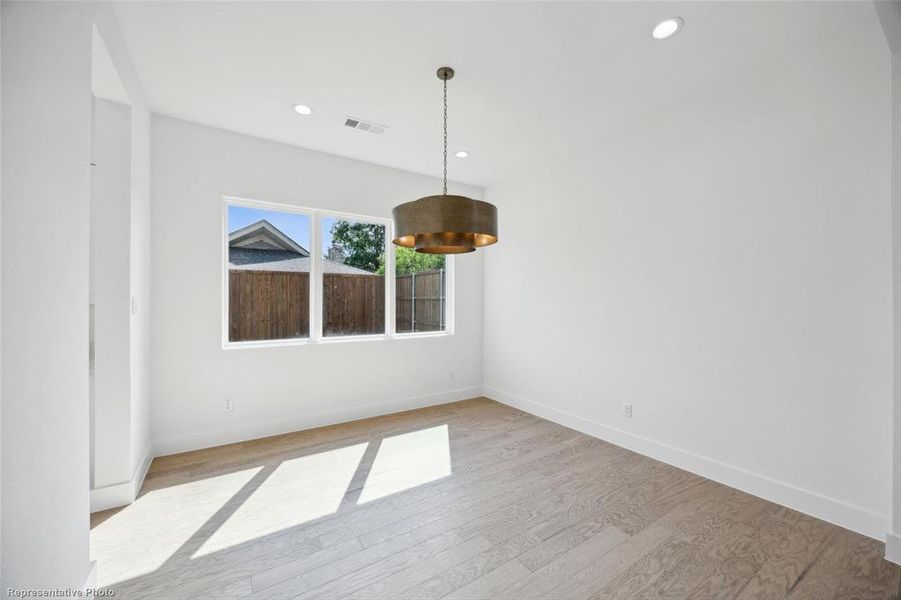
295 275
353 277
268 274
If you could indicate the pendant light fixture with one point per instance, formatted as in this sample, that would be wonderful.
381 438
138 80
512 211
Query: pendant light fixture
445 224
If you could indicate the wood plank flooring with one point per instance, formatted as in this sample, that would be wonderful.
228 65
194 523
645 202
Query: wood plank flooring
468 500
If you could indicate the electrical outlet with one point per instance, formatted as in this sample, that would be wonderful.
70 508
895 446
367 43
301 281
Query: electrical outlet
452 375
626 409
229 405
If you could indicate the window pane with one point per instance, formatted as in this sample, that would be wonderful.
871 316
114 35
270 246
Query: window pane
268 274
353 277
420 300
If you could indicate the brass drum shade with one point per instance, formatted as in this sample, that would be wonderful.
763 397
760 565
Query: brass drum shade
445 224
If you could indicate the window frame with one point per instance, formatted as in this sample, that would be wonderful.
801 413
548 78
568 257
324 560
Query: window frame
316 318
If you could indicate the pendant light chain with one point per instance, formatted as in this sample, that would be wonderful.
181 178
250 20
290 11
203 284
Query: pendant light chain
445 137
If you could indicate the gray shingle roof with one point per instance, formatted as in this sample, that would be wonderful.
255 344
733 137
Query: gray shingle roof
252 259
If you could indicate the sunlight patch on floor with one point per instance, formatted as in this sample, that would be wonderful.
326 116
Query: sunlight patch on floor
299 490
408 460
141 537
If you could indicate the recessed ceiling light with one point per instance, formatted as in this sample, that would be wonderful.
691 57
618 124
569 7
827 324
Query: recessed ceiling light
303 109
667 28
461 154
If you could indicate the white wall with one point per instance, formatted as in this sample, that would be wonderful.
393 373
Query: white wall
283 388
140 273
125 437
728 272
46 119
46 122
111 292
893 544
890 16
2 580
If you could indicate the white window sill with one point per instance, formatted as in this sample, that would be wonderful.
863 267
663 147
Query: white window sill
413 335
344 339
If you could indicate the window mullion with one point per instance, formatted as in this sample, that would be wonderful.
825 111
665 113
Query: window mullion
316 278
450 276
390 286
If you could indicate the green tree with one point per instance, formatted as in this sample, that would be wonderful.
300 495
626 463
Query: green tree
407 260
364 247
364 243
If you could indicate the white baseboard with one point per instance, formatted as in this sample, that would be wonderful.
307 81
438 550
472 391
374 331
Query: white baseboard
112 496
138 479
893 548
252 431
124 493
808 502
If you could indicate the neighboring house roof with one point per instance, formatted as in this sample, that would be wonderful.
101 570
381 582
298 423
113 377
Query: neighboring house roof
263 235
250 259
262 247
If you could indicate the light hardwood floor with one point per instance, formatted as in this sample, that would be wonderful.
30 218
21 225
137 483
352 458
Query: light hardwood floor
466 500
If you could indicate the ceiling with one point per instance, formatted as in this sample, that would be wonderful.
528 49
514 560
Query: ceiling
534 80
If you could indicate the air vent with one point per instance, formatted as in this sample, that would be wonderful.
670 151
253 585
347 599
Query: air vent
355 123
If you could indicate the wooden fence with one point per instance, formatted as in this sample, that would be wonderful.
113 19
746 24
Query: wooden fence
268 305
274 305
420 302
354 304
